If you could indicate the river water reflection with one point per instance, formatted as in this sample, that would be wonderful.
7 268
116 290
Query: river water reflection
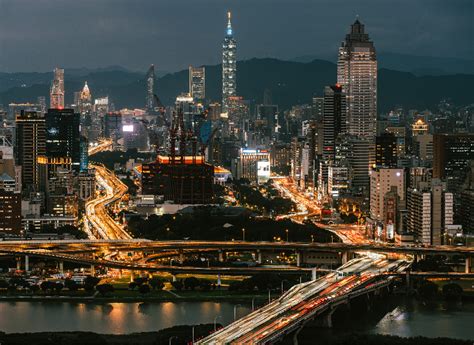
407 318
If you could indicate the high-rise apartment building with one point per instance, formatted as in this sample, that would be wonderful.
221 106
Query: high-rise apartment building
229 65
382 181
357 74
57 90
10 212
197 82
30 144
63 136
430 212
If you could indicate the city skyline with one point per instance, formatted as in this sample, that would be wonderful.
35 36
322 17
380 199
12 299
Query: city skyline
250 202
129 32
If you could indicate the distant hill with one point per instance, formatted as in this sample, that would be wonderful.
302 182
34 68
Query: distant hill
418 65
290 82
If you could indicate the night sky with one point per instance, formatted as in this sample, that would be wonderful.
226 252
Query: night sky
36 35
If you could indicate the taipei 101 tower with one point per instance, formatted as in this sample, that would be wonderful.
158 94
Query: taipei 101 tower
229 66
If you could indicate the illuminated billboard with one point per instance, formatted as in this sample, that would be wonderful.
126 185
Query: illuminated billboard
127 128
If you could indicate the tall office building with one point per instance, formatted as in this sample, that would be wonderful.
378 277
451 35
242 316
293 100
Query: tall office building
386 151
150 88
85 100
63 137
197 82
334 124
452 156
357 74
254 165
30 144
57 90
229 66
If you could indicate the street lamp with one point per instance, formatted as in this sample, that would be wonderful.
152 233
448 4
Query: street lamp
243 234
171 339
287 235
312 238
235 310
215 322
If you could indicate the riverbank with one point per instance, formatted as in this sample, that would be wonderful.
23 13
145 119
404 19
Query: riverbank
182 335
127 296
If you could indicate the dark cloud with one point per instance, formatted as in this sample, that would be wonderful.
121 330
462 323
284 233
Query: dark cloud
39 34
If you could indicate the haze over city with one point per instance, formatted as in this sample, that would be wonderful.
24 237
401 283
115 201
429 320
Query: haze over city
174 34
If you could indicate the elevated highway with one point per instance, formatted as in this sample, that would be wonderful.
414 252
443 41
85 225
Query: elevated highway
155 246
304 302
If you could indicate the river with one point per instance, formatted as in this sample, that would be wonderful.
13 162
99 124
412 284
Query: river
404 318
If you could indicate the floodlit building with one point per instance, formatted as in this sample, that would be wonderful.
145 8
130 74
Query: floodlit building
254 165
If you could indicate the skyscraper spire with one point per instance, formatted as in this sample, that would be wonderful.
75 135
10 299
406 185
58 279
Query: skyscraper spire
229 23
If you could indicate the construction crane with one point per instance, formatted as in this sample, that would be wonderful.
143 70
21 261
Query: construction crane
161 110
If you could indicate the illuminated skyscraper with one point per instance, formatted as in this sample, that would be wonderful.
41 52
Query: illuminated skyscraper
229 66
334 124
150 88
63 138
357 74
197 82
57 90
30 144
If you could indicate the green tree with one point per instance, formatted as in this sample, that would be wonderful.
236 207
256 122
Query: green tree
428 289
90 283
105 289
156 283
177 285
191 283
452 291
71 285
144 289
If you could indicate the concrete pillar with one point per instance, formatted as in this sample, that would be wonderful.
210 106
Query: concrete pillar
314 274
221 256
467 268
328 321
181 256
218 280
27 263
93 270
407 280
173 277
298 259
132 276
120 273
345 257
259 256
61 267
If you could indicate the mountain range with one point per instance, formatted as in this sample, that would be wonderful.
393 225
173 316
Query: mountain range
416 64
290 83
